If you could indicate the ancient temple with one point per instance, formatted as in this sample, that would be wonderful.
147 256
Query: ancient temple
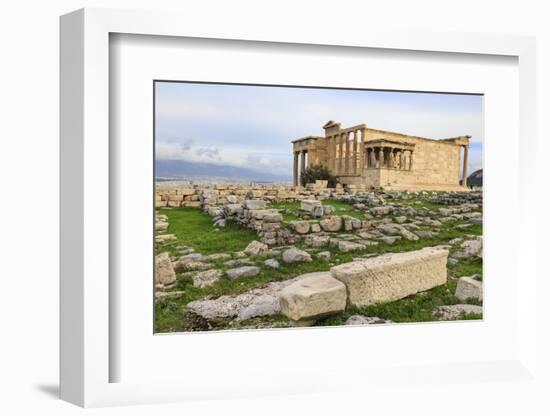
378 159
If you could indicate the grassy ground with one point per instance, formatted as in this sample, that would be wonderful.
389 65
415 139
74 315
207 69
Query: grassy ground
194 228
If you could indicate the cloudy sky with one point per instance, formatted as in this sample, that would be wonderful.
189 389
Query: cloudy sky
252 126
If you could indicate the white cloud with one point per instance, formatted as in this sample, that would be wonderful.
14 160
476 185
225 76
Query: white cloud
253 128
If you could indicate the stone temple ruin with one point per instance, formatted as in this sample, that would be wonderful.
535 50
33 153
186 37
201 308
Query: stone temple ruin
320 232
379 159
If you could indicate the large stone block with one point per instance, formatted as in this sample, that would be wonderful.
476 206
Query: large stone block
331 224
164 271
313 295
393 276
255 204
301 227
469 288
312 206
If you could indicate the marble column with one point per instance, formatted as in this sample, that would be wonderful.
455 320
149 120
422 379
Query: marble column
302 164
341 138
465 168
411 160
346 153
296 155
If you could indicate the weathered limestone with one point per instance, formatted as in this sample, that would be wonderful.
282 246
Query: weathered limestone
454 312
347 246
313 295
366 320
393 276
331 224
207 278
312 206
255 248
469 288
294 255
255 204
470 248
360 155
164 271
274 264
301 227
244 271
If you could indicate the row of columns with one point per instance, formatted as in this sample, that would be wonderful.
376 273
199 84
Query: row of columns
299 156
389 157
344 153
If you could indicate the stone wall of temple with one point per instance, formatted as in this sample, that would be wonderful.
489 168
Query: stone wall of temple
363 156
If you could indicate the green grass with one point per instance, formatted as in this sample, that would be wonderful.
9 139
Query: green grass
417 308
194 228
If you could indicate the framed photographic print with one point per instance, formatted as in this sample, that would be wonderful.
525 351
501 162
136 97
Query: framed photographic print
292 214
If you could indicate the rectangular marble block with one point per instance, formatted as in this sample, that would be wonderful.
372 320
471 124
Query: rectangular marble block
392 276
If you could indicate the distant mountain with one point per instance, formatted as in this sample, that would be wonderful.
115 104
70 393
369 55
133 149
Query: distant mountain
181 169
476 178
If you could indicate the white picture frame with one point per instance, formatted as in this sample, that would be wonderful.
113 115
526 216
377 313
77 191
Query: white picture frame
85 211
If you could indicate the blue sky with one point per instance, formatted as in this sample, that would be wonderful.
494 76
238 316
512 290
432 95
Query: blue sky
252 126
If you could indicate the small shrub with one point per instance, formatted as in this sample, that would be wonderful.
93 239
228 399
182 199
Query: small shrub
317 172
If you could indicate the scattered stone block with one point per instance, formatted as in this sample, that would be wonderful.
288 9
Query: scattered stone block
315 228
255 204
366 320
241 272
163 238
390 239
256 248
383 210
164 270
454 312
470 248
425 233
313 295
191 265
312 206
273 218
393 276
294 255
317 240
207 278
159 296
324 255
191 257
233 209
468 288
408 235
347 246
331 224
301 227
263 305
238 263
217 257
161 226
274 264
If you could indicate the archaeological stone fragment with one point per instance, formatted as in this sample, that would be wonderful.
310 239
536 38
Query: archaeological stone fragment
392 276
